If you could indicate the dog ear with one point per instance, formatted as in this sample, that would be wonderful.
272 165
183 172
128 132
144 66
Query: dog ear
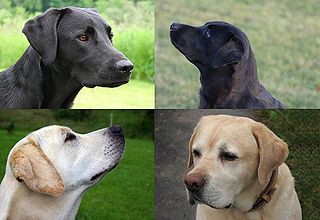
272 151
190 159
41 33
30 165
230 53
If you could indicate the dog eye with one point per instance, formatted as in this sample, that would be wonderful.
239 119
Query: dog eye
196 153
83 37
228 156
70 137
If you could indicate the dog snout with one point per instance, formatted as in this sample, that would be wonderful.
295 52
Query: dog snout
194 181
174 26
124 66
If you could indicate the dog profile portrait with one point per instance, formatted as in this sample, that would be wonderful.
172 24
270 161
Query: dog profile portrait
69 48
228 70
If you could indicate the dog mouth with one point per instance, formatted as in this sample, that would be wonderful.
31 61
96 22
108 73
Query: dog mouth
123 78
109 84
116 84
198 200
117 155
179 45
102 173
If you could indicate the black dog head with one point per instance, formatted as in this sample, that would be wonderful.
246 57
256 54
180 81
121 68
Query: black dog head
218 50
78 42
211 46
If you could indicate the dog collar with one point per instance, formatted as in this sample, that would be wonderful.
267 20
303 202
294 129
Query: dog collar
267 193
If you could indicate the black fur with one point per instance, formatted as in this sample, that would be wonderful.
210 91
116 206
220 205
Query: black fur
228 71
57 64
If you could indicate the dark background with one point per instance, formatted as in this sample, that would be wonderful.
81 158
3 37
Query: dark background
300 129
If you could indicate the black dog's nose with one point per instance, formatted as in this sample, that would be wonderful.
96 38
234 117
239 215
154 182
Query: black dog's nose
124 65
115 129
174 26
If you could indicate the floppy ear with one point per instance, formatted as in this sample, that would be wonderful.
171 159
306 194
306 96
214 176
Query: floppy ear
230 53
190 163
41 33
190 159
30 165
272 151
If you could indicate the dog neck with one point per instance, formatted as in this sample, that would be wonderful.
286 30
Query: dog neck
266 195
59 88
21 82
19 202
257 196
31 84
230 86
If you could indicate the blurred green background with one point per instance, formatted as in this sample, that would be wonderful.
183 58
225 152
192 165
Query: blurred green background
132 22
284 35
124 193
300 129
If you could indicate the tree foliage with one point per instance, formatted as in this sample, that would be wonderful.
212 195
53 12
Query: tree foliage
33 6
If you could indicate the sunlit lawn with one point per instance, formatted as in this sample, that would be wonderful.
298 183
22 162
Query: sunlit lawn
134 95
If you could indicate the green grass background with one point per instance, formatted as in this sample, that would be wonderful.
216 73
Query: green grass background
134 95
124 193
133 28
284 35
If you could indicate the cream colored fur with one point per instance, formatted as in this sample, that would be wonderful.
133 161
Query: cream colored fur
241 181
47 175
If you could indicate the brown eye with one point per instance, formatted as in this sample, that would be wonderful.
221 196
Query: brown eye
196 153
228 156
70 137
83 38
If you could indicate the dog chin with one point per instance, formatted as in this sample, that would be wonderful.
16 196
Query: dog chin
89 86
116 84
227 206
214 206
109 84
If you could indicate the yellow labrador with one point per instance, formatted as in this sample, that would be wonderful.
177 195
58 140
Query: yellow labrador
239 172
48 171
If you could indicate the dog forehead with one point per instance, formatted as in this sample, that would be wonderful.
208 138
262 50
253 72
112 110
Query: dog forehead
52 131
220 121
224 130
81 18
223 26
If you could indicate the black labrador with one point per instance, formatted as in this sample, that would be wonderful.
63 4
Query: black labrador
69 48
228 71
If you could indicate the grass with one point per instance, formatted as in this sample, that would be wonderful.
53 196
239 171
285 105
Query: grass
134 95
135 123
284 35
